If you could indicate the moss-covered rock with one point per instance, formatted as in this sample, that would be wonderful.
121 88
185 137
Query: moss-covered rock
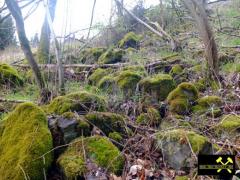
208 104
107 122
175 146
151 117
130 40
25 138
97 75
181 98
158 86
108 84
79 102
98 149
228 126
91 55
128 80
176 70
111 56
9 76
115 136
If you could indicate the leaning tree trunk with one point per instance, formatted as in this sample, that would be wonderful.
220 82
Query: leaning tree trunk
17 14
44 44
198 12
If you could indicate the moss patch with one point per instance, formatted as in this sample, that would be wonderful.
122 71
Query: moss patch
107 122
97 75
208 104
24 139
111 56
91 55
98 149
151 117
130 40
176 70
158 86
79 102
180 98
128 80
115 136
229 124
9 76
179 135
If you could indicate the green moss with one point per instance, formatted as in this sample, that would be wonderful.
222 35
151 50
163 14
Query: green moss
176 70
79 101
158 86
115 136
25 138
179 106
209 105
91 55
181 178
184 90
107 122
196 141
98 149
128 80
201 84
68 115
9 75
97 75
107 83
229 124
130 40
111 56
151 117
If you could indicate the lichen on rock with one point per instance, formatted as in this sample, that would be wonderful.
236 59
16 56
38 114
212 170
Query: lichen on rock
24 139
98 150
9 76
80 102
159 86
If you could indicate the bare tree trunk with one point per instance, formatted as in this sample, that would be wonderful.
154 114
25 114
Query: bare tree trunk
44 45
57 50
199 14
17 14
160 33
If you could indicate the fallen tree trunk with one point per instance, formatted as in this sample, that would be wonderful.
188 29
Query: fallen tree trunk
12 100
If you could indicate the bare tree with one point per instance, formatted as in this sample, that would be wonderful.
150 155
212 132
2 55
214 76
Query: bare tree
198 12
44 45
17 14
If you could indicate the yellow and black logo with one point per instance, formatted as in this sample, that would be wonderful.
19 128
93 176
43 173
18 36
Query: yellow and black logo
223 165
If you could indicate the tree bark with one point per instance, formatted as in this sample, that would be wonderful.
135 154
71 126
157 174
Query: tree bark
17 14
199 14
44 45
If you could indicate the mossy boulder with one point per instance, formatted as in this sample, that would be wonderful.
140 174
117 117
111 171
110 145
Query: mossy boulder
228 126
91 55
98 150
176 70
108 122
97 75
158 86
9 76
151 117
115 136
111 56
24 139
127 81
130 40
80 102
175 146
108 84
180 100
209 105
